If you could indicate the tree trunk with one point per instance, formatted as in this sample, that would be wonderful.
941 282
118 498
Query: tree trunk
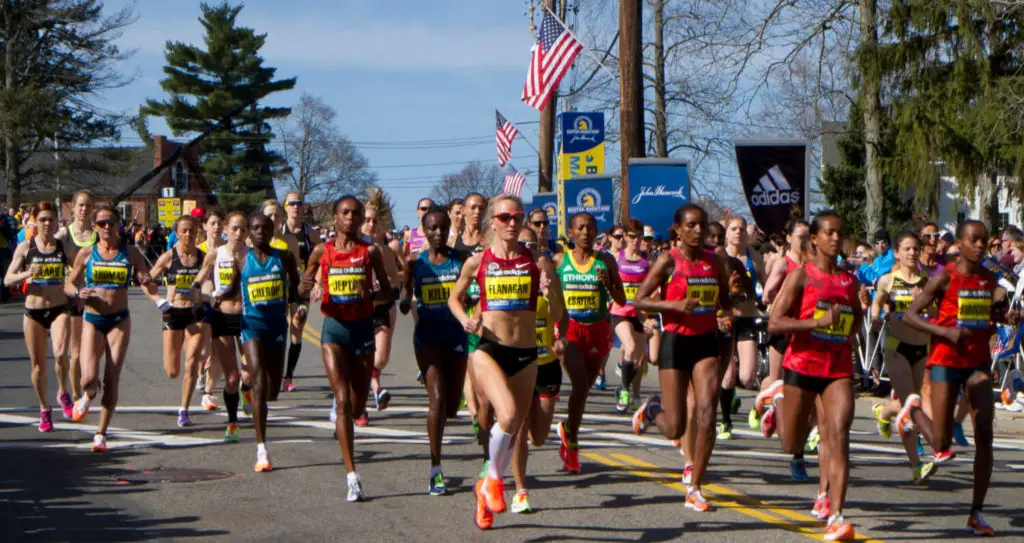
546 139
874 210
631 110
660 117
10 147
988 199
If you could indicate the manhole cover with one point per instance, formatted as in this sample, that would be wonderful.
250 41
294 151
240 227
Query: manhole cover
174 476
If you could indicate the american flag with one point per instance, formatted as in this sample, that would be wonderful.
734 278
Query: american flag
506 134
552 58
514 182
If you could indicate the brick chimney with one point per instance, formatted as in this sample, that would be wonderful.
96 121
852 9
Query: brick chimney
158 149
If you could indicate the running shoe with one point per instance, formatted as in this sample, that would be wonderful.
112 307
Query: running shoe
920 445
977 523
362 421
724 431
798 470
183 418
1012 386
46 420
437 487
290 387
768 423
959 437
262 462
754 420
687 474
484 468
764 398
247 402
822 507
201 381
355 489
923 471
462 402
208 402
599 383
493 490
904 424
521 502
231 433
839 529
570 452
81 408
383 399
484 518
944 456
624 400
884 424
333 416
99 443
813 441
66 405
640 418
618 369
695 501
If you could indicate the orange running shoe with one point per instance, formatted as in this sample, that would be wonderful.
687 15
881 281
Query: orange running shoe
695 500
764 398
484 518
977 523
262 462
99 443
493 490
81 408
840 530
904 423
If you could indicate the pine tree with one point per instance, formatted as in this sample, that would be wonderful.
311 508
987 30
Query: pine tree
206 84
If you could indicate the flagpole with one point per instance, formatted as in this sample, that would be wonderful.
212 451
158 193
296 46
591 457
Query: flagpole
585 48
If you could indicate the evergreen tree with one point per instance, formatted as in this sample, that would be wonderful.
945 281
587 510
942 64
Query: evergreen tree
844 189
205 85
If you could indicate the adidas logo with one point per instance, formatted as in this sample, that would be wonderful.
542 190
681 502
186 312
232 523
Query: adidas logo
274 268
774 189
458 349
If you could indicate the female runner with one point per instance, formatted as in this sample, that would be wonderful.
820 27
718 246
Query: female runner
694 283
210 370
589 279
414 239
346 267
41 262
108 269
79 235
383 312
905 348
439 339
969 303
301 236
226 318
627 322
182 321
470 241
819 307
504 364
267 278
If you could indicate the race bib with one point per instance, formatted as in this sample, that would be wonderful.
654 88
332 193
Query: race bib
265 290
436 294
473 292
974 309
225 274
49 274
705 290
631 289
581 301
901 302
838 332
110 275
509 292
345 285
183 281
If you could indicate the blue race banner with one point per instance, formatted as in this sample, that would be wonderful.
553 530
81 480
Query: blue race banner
657 187
581 146
590 194
548 201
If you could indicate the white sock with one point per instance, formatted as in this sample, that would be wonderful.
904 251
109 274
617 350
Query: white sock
836 517
353 477
434 470
261 448
501 451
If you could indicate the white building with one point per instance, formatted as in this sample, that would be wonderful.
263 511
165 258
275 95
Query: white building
954 209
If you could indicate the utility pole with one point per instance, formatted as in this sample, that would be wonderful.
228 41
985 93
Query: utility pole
631 92
546 140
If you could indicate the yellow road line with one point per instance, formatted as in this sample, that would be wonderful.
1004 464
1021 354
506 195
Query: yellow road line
808 526
309 330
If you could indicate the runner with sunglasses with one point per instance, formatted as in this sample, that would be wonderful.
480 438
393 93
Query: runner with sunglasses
692 282
79 235
439 339
267 278
414 240
970 302
346 268
590 280
626 321
108 269
456 213
41 262
182 321
505 363
226 317
301 235
819 307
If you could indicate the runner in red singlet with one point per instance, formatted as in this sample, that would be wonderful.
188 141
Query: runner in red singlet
819 308
970 302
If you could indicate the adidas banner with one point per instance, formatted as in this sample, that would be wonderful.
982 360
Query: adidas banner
774 177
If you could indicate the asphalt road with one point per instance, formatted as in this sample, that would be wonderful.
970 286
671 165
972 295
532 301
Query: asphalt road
52 488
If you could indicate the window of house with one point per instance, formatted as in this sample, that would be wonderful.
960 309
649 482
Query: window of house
179 177
126 211
1004 220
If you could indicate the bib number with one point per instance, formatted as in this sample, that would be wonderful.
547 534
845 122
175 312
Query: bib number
345 288
110 275
263 293
183 281
631 290
974 309
49 274
837 332
509 293
705 291
436 294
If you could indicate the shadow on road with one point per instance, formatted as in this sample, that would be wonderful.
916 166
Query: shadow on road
59 495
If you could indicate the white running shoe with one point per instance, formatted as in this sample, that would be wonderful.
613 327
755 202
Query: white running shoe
355 489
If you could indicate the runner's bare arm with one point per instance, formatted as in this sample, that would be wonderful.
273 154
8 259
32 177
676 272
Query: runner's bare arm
661 270
725 270
312 267
458 294
14 273
407 287
142 272
291 269
775 278
779 320
384 295
556 299
932 291
613 283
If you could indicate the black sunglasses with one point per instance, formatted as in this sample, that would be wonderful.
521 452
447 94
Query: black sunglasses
424 208
294 203
617 236
105 223
539 223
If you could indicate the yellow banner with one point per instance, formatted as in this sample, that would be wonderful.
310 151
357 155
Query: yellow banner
589 162
168 210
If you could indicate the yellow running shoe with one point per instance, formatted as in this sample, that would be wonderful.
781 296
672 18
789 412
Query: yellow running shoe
884 425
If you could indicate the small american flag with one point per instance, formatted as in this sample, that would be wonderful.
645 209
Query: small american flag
506 134
514 182
552 58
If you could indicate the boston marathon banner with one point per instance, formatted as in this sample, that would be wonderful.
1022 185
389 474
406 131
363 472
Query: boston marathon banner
592 195
774 176
548 201
581 144
657 187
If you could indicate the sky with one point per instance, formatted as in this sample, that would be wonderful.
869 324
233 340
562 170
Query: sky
396 71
